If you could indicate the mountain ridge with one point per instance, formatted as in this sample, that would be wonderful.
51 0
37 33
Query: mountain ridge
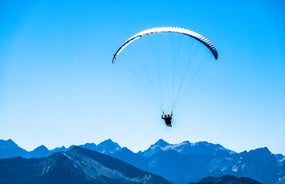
186 161
77 165
94 146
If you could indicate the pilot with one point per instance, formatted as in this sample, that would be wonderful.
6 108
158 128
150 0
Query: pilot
167 119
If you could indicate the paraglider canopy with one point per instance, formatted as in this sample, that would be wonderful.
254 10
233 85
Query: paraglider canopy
184 31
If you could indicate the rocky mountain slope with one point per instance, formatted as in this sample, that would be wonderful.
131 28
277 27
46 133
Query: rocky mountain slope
78 165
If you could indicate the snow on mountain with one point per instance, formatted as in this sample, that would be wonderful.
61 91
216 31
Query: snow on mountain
159 146
108 147
281 181
186 148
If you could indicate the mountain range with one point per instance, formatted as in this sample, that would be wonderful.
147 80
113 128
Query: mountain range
179 163
77 165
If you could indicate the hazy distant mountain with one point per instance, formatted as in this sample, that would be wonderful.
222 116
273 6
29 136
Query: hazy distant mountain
227 179
185 162
10 149
40 151
77 165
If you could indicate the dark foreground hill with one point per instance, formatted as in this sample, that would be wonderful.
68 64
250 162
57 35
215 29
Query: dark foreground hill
227 179
75 166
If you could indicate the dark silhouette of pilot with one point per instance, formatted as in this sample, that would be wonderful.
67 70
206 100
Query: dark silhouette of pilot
167 119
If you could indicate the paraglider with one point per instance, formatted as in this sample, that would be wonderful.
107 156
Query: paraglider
153 63
167 119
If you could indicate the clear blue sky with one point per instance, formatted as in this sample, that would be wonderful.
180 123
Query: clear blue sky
58 86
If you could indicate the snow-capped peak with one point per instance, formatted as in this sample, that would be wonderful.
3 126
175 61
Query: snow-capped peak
108 147
162 145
